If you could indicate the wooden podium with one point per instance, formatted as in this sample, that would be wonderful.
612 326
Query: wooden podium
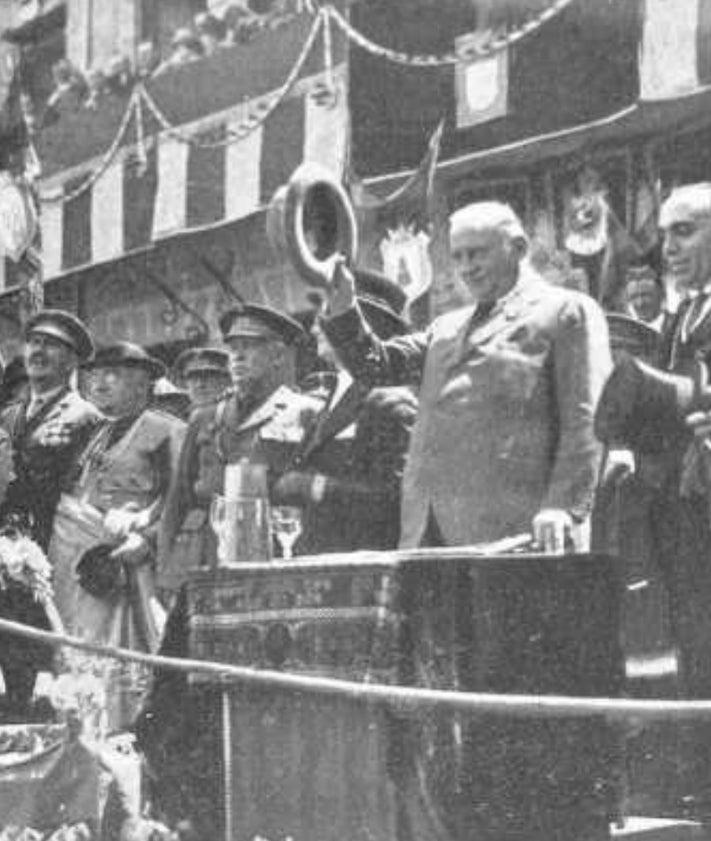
320 768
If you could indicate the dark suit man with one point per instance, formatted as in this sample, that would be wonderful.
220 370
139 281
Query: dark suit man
347 472
507 389
677 477
48 429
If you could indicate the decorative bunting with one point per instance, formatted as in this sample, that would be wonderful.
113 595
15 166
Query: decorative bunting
183 186
669 56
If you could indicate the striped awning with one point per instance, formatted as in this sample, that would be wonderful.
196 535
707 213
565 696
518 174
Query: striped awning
191 177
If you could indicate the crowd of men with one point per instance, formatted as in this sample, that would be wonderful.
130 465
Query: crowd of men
476 429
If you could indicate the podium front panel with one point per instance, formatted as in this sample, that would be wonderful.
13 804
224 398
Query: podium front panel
309 766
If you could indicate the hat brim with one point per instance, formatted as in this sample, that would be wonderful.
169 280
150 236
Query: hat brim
382 320
155 368
82 350
204 369
641 406
65 328
272 325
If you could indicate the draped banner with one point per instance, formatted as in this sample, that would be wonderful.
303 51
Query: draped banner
675 55
193 177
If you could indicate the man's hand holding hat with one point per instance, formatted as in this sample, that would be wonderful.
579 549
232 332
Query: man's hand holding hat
341 292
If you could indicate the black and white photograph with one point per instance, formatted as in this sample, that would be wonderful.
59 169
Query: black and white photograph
355 420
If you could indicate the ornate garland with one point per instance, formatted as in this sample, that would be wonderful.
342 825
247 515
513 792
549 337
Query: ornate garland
496 44
140 96
253 121
105 163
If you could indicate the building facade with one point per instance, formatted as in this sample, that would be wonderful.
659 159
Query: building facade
152 193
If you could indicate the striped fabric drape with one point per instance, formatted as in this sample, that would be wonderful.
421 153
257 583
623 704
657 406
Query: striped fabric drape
182 186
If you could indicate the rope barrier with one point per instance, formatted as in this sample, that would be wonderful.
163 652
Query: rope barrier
479 50
400 698
105 163
253 121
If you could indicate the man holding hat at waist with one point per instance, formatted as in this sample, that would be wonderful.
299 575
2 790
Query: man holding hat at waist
677 479
48 428
258 420
107 518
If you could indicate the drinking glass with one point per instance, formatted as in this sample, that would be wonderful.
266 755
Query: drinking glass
287 527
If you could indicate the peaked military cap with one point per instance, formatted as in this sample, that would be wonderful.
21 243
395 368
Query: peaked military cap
382 300
127 355
202 360
65 327
260 322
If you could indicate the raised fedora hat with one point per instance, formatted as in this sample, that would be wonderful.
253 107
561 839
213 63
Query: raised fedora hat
65 327
127 355
641 406
260 322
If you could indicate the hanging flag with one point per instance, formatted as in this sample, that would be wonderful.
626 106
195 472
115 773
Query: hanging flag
481 84
397 226
671 49
13 133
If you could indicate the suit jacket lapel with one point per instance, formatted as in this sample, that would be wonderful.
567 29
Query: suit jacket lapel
330 423
527 293
701 328
30 425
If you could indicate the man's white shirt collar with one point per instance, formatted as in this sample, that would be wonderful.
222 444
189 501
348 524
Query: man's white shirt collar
37 401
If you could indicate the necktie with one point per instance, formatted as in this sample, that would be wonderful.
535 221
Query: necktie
35 407
118 428
693 316
481 314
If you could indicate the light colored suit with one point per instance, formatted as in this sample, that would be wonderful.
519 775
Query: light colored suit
505 424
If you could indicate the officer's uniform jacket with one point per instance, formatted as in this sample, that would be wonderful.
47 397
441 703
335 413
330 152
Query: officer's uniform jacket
217 435
41 466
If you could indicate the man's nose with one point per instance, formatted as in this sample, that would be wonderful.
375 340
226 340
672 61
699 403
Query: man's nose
670 244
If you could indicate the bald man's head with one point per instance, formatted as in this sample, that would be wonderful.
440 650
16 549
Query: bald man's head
487 243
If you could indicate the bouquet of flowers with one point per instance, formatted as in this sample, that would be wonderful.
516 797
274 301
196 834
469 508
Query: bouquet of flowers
22 562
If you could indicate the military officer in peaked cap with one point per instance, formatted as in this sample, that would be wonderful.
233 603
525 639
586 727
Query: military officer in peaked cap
52 423
249 422
48 428
205 373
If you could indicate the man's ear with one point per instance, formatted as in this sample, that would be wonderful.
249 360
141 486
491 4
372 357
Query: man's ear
520 246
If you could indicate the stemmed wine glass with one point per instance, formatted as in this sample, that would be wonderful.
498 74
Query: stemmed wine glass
287 527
